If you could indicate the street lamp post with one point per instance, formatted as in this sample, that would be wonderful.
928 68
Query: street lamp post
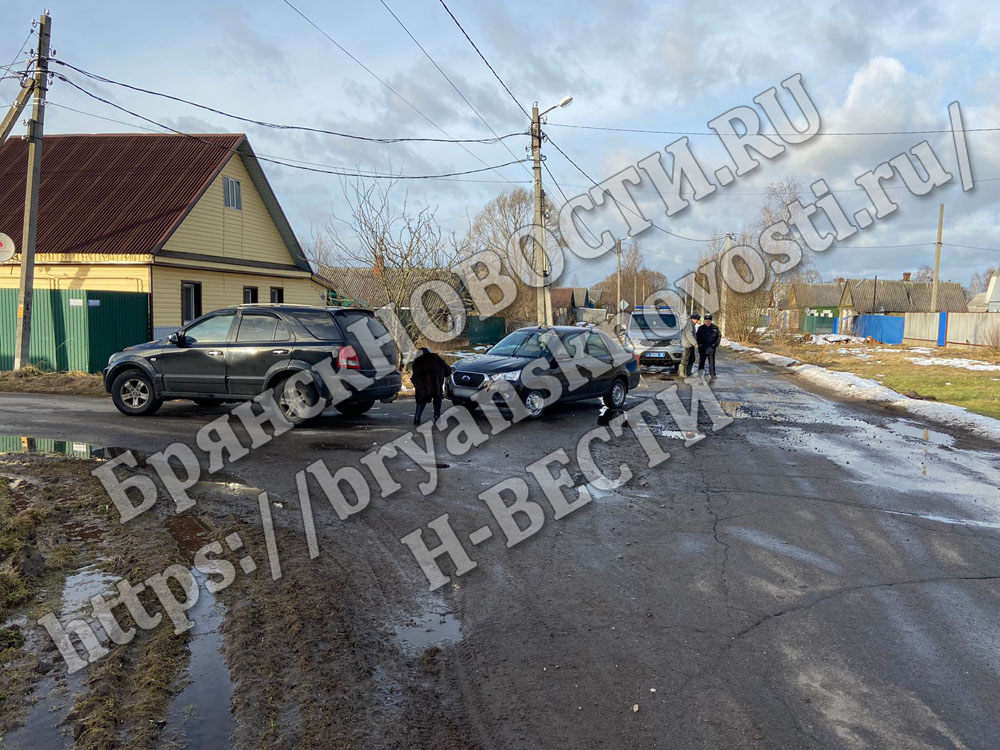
543 298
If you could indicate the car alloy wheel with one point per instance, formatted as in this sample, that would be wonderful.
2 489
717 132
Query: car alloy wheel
135 393
296 402
535 404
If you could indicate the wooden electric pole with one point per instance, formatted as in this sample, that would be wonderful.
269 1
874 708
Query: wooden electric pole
937 260
36 124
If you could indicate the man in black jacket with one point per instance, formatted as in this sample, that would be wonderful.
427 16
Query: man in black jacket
709 337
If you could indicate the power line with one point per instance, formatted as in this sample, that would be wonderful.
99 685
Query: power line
372 73
278 126
20 51
451 82
739 135
969 247
483 58
283 162
271 156
628 208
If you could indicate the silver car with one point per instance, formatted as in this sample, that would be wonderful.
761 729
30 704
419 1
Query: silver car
654 334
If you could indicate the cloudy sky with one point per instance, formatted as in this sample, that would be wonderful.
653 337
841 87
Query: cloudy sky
628 64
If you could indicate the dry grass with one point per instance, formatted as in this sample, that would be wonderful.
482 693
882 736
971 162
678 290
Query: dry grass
977 391
30 379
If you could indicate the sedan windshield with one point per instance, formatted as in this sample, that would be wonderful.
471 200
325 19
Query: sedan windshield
529 344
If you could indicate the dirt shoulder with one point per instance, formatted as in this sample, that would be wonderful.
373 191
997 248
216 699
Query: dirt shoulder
33 380
917 372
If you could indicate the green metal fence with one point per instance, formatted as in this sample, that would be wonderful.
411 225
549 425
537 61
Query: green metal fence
73 329
481 331
817 324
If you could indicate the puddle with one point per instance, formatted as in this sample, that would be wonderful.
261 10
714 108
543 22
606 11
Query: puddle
432 629
200 715
45 725
227 484
911 429
947 520
20 444
606 416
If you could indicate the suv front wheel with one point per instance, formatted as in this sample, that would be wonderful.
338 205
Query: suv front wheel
132 393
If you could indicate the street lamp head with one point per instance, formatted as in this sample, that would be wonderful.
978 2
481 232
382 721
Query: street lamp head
565 101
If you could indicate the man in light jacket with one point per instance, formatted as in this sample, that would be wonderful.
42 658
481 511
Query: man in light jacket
689 340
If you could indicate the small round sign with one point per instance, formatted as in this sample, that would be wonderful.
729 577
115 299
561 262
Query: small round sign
6 248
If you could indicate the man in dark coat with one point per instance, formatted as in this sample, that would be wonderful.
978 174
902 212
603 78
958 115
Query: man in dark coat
709 337
429 372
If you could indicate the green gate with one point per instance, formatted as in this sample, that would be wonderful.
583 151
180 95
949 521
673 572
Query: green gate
484 331
73 329
817 324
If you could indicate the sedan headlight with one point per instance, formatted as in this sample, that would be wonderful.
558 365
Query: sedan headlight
512 376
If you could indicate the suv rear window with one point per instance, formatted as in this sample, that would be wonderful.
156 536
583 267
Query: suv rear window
320 324
349 320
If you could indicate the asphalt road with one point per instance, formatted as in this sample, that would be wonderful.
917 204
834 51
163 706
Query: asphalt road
819 573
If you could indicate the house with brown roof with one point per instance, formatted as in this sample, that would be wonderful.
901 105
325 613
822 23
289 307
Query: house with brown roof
895 298
813 308
189 221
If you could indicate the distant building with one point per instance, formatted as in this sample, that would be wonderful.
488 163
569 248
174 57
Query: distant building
815 307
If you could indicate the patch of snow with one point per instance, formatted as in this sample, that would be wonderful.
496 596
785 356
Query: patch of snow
965 364
854 386
836 338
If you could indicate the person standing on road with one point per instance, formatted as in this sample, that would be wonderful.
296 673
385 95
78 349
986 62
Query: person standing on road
429 372
708 337
689 341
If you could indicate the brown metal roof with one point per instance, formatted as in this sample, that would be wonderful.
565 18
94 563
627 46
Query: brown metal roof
562 297
110 194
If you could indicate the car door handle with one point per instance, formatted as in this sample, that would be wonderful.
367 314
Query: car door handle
214 352
279 351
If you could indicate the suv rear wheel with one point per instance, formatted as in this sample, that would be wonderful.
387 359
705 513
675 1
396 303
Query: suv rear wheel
132 393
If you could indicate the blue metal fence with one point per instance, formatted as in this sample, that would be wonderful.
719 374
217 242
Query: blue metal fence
885 328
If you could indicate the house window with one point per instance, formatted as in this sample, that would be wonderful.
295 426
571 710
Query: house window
249 295
190 301
234 198
277 294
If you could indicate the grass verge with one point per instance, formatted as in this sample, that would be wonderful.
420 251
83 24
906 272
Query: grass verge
977 391
33 380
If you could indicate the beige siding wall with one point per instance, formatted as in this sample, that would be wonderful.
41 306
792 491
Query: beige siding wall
222 289
213 229
110 278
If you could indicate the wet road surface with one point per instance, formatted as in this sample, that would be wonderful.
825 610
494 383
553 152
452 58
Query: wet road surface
819 573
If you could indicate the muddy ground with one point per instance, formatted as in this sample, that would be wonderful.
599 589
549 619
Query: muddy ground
819 573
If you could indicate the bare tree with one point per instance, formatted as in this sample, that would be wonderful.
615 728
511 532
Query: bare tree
924 274
503 218
387 243
638 281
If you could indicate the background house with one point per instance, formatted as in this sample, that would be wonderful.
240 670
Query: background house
876 308
161 228
815 308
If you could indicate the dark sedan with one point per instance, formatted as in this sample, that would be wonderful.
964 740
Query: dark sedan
238 353
608 371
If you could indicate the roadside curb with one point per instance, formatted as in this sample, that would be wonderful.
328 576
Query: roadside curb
865 389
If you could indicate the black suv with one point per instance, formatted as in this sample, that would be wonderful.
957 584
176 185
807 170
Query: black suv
237 353
555 348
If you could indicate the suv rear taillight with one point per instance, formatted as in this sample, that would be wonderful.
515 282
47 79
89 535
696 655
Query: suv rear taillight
348 358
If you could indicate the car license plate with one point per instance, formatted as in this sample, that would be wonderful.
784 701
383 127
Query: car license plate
655 354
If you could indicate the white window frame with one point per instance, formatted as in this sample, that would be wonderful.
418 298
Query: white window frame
233 193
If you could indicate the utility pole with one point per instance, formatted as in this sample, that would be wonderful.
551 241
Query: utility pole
618 299
29 235
937 260
543 304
